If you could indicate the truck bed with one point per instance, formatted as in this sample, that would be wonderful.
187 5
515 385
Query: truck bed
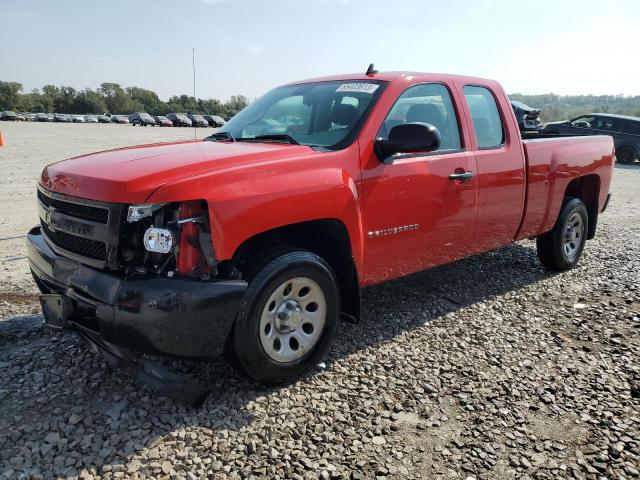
552 162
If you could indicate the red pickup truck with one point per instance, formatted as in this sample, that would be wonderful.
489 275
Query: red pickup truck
258 239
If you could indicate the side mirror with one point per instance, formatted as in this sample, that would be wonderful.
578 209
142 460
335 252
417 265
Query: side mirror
408 138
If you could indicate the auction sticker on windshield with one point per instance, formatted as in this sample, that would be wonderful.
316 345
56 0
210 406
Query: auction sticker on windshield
358 87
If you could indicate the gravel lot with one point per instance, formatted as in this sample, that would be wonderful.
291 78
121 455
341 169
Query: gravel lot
486 368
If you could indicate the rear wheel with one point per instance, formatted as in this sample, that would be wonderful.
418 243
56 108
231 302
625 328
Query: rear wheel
289 318
561 248
625 154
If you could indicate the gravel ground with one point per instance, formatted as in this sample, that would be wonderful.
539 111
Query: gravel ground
488 368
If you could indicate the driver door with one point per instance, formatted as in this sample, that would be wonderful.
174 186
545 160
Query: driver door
417 212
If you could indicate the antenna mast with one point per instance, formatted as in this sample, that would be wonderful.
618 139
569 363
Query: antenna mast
193 64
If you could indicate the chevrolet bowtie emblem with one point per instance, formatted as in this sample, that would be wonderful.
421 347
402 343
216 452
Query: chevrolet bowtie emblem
47 217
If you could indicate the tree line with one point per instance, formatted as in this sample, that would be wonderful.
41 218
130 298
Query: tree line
112 98
565 107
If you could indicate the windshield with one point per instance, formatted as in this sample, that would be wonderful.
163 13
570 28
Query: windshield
322 114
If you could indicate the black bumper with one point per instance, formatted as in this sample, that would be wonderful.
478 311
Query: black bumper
148 314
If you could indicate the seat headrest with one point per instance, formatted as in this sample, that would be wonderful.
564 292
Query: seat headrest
343 114
427 113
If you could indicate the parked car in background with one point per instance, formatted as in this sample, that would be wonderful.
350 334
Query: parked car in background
61 117
179 120
198 120
29 117
77 119
214 120
119 119
9 116
528 118
90 119
163 121
104 118
625 131
42 117
143 119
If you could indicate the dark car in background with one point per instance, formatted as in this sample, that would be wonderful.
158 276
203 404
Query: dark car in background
104 119
214 120
119 119
624 130
9 116
198 120
61 117
42 117
162 121
143 119
528 117
179 120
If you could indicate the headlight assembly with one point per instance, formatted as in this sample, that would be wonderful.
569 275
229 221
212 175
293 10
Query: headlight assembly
159 240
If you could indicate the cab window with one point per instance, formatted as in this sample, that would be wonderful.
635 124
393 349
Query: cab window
425 103
485 116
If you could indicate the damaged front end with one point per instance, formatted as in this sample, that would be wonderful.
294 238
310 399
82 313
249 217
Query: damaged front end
145 281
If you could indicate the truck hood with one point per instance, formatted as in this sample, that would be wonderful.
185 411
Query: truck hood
130 175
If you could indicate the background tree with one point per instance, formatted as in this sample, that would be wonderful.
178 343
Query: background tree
9 92
235 104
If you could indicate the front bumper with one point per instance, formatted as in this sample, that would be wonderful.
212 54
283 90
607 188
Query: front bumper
147 314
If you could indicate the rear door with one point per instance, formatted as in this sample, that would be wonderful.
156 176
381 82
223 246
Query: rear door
500 164
415 214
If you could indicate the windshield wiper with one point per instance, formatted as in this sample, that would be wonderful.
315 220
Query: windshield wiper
272 136
221 136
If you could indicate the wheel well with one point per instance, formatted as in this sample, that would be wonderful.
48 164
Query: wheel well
587 189
327 238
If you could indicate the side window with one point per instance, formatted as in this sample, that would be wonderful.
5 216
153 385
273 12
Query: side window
485 116
631 127
584 122
427 103
607 123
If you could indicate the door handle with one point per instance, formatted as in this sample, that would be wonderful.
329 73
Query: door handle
461 175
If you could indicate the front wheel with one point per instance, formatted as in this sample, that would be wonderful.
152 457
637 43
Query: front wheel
561 248
288 319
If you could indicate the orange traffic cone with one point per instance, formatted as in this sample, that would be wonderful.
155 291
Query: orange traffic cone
1 139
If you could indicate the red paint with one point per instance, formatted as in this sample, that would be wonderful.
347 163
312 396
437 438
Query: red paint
189 258
249 188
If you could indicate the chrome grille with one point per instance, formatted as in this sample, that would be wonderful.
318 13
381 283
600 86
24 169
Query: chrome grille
84 230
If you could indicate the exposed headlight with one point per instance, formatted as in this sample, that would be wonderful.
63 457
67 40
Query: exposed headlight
158 240
138 212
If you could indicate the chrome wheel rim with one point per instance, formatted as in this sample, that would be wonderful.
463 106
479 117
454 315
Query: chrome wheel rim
293 319
573 236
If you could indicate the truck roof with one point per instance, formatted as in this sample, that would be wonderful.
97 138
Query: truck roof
391 76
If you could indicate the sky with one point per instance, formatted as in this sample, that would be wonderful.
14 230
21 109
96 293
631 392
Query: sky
250 46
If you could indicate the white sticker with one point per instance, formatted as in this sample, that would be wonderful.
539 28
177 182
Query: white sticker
358 87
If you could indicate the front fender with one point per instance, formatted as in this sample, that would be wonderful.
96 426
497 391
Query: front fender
250 200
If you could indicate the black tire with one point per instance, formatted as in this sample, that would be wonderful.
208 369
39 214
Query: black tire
248 351
552 245
625 154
